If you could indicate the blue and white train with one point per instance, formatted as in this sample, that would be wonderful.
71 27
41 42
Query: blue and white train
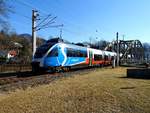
58 55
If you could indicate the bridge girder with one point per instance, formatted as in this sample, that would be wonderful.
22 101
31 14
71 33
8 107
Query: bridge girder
131 51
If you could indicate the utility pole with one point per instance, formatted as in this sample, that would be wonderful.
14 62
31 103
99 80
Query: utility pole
34 18
123 36
61 33
47 22
118 56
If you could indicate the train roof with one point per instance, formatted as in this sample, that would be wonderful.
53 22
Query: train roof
81 47
73 46
77 46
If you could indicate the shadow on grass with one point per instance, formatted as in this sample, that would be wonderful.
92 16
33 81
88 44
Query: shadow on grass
136 77
128 87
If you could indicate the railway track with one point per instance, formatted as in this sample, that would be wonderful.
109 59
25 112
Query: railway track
15 68
24 80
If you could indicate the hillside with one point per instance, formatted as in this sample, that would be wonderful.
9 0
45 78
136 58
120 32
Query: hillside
7 43
101 91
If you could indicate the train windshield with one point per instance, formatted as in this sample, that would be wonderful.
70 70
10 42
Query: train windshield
41 51
55 40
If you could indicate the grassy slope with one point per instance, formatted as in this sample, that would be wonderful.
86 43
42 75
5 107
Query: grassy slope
104 90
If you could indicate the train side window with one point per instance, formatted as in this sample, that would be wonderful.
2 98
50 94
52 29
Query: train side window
81 54
69 52
85 54
100 57
76 53
109 57
106 57
53 53
112 57
97 57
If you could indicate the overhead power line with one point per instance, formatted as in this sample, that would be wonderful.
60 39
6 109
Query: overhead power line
52 26
21 24
72 32
50 22
28 18
44 20
19 14
47 22
25 4
30 6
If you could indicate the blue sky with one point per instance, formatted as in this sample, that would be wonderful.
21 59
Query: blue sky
84 19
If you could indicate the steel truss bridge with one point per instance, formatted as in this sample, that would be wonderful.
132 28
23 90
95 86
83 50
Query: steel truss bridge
130 51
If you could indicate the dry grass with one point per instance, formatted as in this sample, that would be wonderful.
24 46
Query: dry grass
101 91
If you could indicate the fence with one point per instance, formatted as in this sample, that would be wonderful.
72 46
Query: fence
15 67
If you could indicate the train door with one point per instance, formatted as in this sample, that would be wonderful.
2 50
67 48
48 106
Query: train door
90 57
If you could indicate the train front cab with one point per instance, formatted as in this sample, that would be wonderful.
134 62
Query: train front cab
66 56
54 58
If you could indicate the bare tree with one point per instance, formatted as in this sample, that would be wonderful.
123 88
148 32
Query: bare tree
4 8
